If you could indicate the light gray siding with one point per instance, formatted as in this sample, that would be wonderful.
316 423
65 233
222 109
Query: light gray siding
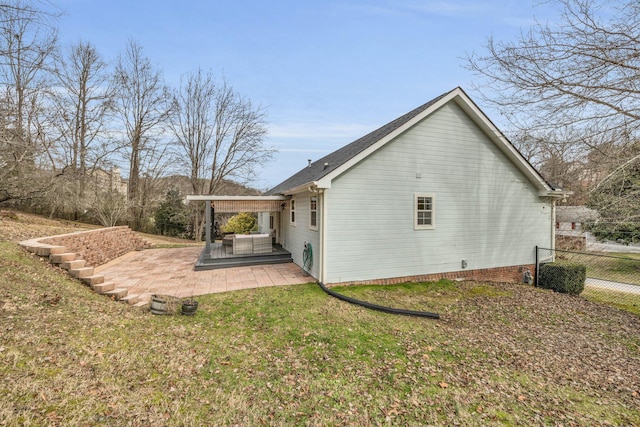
295 236
486 212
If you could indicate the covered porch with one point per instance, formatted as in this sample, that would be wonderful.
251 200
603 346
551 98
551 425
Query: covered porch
263 247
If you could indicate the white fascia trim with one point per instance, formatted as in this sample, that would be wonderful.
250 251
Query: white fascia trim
304 188
210 197
462 100
556 194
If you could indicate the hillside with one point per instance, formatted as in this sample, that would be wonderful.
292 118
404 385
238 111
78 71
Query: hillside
500 355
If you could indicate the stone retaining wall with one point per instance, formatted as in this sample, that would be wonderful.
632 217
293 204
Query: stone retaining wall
100 246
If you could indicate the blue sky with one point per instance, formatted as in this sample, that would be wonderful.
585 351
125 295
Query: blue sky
327 72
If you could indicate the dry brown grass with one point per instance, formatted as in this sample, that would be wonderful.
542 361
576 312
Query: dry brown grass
500 355
18 226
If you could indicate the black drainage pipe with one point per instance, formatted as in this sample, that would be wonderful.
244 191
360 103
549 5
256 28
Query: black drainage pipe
379 307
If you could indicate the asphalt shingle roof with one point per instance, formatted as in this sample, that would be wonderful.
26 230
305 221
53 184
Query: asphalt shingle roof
336 159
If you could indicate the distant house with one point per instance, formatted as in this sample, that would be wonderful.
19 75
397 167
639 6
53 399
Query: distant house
438 192
570 232
570 220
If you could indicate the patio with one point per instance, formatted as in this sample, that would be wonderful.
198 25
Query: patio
246 250
171 272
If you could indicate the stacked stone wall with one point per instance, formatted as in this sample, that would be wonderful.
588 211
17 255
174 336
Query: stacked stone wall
100 246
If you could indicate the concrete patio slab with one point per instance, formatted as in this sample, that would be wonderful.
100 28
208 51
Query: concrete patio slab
171 272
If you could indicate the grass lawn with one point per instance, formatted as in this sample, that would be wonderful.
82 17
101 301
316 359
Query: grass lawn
500 355
622 300
617 267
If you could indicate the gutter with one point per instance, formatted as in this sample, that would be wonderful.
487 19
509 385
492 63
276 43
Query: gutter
322 265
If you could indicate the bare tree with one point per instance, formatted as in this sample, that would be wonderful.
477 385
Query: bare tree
110 207
573 85
220 133
141 101
192 123
579 73
238 144
617 198
83 101
27 41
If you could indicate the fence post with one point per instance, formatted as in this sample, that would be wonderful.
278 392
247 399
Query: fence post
535 282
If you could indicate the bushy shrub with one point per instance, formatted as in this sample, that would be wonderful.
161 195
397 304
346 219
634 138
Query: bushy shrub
563 277
242 223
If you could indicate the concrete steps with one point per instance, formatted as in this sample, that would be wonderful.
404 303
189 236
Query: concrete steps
93 280
60 258
103 287
81 273
69 265
116 293
130 299
142 304
77 268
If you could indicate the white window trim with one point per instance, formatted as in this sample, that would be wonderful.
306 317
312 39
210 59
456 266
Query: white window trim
417 226
292 211
311 226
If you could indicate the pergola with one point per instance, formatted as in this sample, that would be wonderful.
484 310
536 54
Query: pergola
234 204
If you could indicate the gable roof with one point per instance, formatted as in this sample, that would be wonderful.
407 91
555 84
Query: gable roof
322 171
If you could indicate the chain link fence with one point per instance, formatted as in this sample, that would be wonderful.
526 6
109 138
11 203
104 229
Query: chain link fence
612 279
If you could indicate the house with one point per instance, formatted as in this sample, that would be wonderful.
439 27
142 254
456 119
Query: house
571 219
570 232
438 192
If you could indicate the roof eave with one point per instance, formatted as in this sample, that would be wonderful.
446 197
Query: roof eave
306 187
556 194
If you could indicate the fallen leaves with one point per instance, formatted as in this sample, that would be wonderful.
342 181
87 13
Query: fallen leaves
523 358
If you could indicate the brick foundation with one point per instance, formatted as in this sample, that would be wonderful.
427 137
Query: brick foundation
100 246
512 274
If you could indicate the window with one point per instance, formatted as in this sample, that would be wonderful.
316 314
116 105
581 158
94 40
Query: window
423 212
313 212
293 212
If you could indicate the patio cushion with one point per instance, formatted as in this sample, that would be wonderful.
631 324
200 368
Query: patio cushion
261 243
242 244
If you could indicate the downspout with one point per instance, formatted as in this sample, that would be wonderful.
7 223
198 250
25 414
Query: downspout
322 265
